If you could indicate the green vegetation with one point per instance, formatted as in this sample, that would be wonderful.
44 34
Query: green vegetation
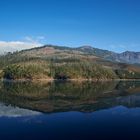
16 72
62 71
82 70
125 74
28 70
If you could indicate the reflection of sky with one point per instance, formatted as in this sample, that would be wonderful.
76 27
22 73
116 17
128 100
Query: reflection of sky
10 111
118 121
118 113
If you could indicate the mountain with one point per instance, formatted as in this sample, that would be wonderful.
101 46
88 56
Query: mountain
125 57
63 51
61 62
129 57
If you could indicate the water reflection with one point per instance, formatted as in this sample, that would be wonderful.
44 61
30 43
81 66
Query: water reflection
10 111
70 96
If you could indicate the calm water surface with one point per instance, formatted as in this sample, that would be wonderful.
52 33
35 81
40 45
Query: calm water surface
70 110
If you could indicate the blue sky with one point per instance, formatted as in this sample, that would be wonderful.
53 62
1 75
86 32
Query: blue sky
105 24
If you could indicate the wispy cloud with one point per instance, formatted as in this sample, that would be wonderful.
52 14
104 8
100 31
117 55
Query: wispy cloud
27 43
118 47
32 39
125 47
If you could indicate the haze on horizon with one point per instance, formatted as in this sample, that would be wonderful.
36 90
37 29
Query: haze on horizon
106 24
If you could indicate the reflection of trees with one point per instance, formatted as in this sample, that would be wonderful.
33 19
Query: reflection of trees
64 96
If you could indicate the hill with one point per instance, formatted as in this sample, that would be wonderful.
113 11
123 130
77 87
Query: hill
60 62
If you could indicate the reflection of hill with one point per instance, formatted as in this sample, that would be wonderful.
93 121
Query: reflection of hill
70 96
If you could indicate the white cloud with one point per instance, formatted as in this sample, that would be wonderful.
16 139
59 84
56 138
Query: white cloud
27 43
32 39
10 46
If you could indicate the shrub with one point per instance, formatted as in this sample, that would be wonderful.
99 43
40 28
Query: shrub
16 72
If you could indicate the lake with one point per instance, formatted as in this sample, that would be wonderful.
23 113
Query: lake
70 110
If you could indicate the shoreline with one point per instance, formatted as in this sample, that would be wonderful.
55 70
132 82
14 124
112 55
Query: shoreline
78 80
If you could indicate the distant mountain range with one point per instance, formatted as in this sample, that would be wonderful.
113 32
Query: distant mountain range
125 57
130 57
